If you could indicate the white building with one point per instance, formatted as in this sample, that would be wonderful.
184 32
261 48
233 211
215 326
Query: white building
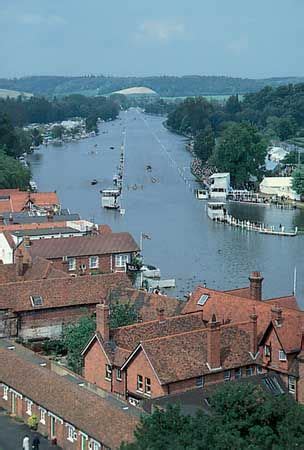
279 186
220 185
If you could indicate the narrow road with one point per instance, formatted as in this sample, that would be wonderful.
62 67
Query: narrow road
13 432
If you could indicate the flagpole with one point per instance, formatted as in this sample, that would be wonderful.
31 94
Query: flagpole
141 241
295 281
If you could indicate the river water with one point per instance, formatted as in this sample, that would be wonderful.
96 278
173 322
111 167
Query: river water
184 243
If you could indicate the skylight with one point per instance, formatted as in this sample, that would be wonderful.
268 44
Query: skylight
202 300
36 300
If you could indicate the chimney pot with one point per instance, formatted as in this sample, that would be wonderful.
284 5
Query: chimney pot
102 321
277 315
256 281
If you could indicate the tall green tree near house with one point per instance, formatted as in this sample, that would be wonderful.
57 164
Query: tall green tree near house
12 173
242 416
241 151
298 180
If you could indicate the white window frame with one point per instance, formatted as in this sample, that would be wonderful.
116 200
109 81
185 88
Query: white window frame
71 264
238 373
118 375
267 350
95 445
122 259
282 355
291 381
71 432
108 372
148 387
42 415
138 383
259 369
251 369
5 392
29 405
227 375
96 263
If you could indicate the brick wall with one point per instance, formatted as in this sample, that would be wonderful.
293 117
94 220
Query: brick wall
141 366
94 367
104 264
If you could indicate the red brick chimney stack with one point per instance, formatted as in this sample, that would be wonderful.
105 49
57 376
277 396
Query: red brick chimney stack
254 332
19 263
256 281
102 321
214 343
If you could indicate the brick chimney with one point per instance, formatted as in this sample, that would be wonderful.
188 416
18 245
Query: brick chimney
253 332
277 315
256 281
102 321
214 344
161 315
26 241
19 263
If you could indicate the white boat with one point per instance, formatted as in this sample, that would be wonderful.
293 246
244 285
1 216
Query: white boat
110 198
216 211
33 186
202 194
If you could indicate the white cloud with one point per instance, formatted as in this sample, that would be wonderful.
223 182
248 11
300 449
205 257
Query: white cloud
160 30
38 19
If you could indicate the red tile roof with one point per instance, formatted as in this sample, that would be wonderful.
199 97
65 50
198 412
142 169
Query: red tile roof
60 292
184 355
98 417
38 269
16 200
101 244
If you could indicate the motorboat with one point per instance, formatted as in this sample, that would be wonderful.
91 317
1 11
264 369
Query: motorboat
216 211
202 194
93 182
110 198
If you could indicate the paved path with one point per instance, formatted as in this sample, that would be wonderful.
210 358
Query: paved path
12 434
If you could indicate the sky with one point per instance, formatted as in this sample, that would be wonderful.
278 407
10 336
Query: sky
243 38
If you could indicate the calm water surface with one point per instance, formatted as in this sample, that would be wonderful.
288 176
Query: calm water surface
184 243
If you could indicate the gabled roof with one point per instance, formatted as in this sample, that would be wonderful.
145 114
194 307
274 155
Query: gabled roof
100 244
98 417
60 292
13 200
184 355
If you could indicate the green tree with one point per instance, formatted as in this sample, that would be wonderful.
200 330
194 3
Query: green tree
242 416
91 124
241 151
57 131
298 180
204 144
75 337
12 173
122 314
233 105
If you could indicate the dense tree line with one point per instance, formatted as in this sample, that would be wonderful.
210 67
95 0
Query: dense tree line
41 110
165 86
241 417
272 113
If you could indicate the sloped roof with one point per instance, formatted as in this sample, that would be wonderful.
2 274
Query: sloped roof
60 292
14 200
99 244
276 182
92 414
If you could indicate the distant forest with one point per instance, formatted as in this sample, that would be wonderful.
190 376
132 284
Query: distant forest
165 86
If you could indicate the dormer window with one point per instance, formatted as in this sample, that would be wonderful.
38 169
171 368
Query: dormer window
282 355
36 300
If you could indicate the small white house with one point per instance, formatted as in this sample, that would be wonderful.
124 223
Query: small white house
279 186
220 185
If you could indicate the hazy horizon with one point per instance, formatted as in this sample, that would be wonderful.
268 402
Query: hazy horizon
135 38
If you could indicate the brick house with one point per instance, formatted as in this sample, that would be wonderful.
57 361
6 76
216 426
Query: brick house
68 410
37 299
97 253
219 336
168 355
14 200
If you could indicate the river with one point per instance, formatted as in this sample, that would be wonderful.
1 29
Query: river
184 243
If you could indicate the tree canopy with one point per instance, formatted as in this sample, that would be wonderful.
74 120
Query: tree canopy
12 173
298 180
241 151
242 417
